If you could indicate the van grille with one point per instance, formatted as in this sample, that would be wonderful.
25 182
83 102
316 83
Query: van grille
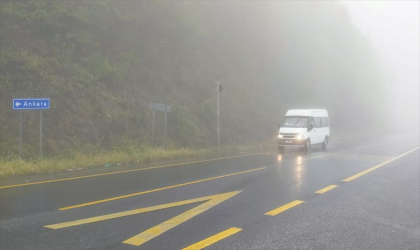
289 135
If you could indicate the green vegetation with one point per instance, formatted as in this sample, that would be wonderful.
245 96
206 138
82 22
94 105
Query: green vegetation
101 63
13 165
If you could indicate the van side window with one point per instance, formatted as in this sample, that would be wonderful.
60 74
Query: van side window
317 122
326 122
312 122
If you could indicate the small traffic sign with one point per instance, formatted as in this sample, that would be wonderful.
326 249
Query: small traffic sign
31 103
160 107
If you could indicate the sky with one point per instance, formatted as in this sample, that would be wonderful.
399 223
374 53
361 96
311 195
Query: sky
393 29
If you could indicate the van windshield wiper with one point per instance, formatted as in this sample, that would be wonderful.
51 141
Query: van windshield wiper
294 125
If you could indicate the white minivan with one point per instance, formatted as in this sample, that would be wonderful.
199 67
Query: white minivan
304 128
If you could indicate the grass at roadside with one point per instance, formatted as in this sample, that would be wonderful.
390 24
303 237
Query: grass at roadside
16 166
13 165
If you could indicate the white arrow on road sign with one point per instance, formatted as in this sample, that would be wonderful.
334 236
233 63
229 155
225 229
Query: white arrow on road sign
31 103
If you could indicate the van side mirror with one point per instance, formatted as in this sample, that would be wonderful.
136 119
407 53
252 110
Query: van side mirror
311 126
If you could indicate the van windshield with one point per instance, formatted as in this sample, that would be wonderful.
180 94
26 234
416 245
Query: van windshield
295 122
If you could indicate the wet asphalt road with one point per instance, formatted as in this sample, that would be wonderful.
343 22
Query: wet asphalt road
259 200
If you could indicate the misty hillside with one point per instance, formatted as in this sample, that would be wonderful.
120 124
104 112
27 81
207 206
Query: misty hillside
102 62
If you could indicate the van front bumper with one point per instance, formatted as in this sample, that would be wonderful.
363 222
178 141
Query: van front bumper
284 142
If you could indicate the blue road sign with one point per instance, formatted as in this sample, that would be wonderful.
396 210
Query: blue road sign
31 103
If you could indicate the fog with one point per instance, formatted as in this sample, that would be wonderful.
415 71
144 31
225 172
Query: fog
393 28
102 62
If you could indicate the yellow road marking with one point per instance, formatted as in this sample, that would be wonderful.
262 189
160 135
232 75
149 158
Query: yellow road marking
124 171
158 189
326 189
284 207
165 226
151 233
378 166
217 197
213 239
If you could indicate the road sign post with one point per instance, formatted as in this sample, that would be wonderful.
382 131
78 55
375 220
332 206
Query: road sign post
31 103
159 107
218 123
20 133
219 89
40 134
164 132
153 127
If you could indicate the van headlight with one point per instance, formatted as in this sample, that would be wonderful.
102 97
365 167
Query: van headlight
280 136
299 136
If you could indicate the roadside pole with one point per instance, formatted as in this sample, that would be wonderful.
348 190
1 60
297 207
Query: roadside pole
20 134
40 134
153 127
218 124
164 133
